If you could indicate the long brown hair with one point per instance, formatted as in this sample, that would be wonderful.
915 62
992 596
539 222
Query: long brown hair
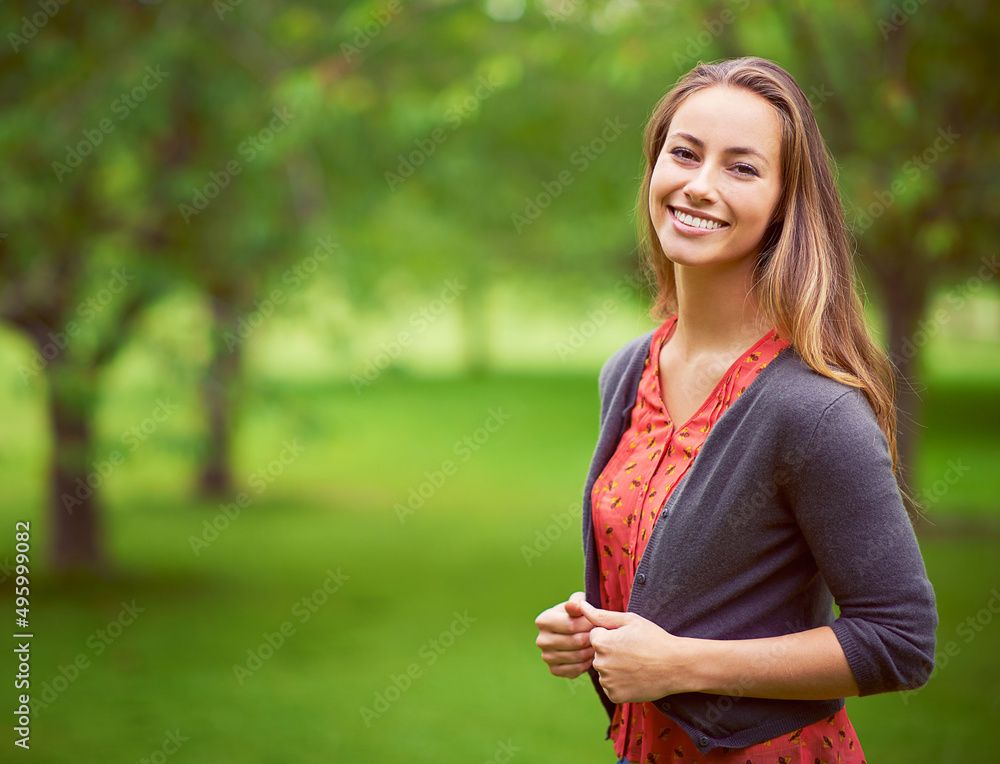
804 278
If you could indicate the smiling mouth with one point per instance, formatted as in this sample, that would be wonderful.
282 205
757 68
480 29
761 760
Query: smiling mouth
696 222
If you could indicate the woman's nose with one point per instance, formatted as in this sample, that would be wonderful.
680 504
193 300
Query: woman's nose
701 184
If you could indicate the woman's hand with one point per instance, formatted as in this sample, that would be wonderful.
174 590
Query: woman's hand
564 638
636 660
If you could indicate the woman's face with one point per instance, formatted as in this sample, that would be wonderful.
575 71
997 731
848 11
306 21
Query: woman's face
717 178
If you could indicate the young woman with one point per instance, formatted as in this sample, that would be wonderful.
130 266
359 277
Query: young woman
744 475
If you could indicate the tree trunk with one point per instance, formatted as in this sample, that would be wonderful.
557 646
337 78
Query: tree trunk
218 386
75 475
476 323
905 293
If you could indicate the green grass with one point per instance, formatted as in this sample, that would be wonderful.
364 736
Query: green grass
332 508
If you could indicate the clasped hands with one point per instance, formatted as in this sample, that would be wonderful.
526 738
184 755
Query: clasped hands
635 659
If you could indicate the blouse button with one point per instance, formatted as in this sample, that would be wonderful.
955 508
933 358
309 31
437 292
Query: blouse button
703 741
640 578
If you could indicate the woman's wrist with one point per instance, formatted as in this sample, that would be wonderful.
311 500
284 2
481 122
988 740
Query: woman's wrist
692 667
807 665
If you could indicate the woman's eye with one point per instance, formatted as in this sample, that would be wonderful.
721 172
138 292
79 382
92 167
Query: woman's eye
745 169
682 152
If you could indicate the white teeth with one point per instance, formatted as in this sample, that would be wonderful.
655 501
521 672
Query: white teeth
691 220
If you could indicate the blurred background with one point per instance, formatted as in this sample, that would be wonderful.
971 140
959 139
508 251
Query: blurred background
302 309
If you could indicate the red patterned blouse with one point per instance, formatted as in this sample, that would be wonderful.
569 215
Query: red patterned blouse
651 459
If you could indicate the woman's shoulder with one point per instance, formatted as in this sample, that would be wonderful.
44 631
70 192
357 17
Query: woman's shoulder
800 416
800 393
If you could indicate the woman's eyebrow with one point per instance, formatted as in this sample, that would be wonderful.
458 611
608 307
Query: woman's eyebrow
731 150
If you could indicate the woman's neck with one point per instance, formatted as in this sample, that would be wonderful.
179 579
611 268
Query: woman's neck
716 310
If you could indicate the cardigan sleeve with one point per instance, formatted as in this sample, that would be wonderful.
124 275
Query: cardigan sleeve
850 511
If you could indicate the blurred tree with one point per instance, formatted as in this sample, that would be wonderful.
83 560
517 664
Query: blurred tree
156 163
902 92
235 118
474 144
79 262
225 144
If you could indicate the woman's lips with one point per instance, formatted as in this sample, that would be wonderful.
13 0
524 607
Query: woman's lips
679 218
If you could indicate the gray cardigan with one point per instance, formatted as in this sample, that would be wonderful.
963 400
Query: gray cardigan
790 505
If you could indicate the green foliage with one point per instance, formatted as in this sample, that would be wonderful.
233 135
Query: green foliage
488 111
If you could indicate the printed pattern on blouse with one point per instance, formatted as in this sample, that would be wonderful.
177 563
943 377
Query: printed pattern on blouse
652 457
828 741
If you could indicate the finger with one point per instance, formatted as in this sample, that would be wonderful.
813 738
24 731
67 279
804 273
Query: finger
556 619
601 666
553 619
597 636
567 657
572 606
549 640
579 624
609 619
570 670
613 695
